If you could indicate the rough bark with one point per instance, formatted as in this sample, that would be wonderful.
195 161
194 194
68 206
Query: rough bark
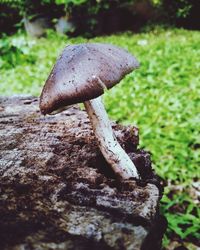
57 191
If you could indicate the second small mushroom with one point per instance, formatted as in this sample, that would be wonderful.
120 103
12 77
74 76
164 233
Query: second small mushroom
81 74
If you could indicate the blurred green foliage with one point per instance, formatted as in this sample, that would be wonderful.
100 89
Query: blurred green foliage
13 12
182 13
92 17
162 98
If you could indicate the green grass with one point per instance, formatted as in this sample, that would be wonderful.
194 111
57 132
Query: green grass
162 98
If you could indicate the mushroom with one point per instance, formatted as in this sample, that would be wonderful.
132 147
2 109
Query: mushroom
81 74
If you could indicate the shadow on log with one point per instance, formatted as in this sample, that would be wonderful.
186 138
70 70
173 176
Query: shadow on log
57 192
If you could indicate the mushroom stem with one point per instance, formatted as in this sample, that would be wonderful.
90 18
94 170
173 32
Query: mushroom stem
108 144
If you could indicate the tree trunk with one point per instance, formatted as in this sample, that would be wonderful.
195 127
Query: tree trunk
57 191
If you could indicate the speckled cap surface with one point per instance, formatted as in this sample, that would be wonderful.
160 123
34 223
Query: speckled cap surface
82 72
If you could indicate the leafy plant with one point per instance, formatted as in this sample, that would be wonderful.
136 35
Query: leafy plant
182 214
15 51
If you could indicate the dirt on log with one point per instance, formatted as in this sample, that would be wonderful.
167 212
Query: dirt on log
57 191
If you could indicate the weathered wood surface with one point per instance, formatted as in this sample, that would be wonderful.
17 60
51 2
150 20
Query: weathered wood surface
57 192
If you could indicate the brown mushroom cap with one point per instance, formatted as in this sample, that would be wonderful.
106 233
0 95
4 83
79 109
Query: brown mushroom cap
82 72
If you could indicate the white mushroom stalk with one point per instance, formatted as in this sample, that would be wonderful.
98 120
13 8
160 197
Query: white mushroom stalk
108 144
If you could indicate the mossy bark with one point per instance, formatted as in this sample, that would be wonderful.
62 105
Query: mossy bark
57 191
